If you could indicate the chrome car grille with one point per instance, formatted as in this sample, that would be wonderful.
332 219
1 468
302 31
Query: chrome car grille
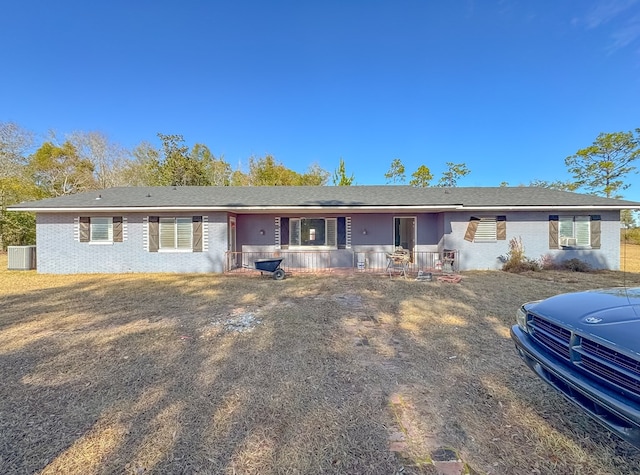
599 361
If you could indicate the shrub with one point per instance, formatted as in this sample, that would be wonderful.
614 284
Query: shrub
515 261
546 262
575 265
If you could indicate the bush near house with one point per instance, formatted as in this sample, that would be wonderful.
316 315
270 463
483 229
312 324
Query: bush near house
575 265
515 261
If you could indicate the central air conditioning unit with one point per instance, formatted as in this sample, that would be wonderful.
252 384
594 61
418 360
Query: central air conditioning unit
21 257
568 242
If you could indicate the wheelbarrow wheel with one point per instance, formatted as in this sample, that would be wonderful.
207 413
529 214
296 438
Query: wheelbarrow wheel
278 274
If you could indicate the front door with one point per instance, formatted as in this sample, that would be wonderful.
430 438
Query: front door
404 233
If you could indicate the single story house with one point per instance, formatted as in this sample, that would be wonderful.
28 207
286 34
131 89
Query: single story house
217 229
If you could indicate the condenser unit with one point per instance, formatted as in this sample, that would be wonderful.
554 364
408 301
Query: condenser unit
21 257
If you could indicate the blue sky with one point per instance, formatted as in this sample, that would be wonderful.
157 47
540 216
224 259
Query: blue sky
510 88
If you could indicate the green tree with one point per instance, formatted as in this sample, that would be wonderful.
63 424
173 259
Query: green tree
266 171
144 168
178 167
15 186
217 171
59 170
17 228
239 178
602 167
314 176
553 185
454 172
395 174
340 177
421 177
627 218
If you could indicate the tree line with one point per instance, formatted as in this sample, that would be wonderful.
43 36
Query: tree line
84 161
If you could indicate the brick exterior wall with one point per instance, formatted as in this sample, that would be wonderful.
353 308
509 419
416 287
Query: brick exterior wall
60 252
533 229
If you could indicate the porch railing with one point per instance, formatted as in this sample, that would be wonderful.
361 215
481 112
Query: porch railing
323 261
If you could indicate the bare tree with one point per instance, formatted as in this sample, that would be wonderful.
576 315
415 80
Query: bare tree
109 159
15 143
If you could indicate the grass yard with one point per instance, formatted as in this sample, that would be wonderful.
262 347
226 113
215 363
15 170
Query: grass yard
352 374
630 257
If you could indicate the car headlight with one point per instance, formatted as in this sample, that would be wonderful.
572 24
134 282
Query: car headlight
521 319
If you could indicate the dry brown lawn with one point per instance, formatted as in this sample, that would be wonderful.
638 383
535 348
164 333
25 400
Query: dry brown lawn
349 374
630 257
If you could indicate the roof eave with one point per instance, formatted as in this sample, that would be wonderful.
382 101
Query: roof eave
547 208
315 208
235 209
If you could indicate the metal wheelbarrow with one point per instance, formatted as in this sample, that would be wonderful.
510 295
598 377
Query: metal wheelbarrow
271 266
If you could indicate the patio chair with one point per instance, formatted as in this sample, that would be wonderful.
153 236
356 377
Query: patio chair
448 260
399 259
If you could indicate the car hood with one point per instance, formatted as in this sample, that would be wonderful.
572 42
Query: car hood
611 315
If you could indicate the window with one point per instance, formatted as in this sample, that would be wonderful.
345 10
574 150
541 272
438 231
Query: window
101 229
184 233
313 232
574 231
486 229
176 233
334 233
567 232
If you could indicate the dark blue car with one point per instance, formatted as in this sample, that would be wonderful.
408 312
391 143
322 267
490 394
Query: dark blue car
587 346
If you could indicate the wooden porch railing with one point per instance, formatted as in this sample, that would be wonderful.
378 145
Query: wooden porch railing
323 261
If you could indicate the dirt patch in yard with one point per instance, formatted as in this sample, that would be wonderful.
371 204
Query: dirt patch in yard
314 374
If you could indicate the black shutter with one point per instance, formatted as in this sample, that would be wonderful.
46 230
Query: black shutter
284 231
342 232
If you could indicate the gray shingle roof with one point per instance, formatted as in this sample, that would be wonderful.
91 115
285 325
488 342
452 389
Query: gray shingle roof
301 197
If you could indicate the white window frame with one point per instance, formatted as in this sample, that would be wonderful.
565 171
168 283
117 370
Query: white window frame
97 230
487 230
330 233
171 227
574 231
